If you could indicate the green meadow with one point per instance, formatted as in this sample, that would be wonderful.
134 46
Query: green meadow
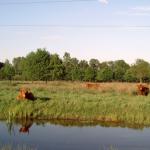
111 102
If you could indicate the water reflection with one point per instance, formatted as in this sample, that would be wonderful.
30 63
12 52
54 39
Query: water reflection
17 147
25 125
74 135
75 123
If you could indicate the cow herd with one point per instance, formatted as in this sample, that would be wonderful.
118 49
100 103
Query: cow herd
142 89
26 94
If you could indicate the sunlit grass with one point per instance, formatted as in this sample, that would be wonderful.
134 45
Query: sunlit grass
114 102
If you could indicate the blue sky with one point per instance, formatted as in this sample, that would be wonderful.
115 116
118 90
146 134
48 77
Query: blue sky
127 42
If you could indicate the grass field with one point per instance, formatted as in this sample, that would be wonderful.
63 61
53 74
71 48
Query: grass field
113 102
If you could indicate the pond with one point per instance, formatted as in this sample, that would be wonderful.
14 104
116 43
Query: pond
64 135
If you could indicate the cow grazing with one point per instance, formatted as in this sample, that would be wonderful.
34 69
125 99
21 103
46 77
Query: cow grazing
25 94
142 89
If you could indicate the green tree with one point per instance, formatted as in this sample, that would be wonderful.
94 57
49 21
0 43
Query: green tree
67 65
105 74
7 72
119 69
94 65
56 67
18 64
1 65
130 75
83 71
90 74
37 65
74 72
142 70
71 67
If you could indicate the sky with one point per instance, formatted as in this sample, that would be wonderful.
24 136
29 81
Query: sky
101 29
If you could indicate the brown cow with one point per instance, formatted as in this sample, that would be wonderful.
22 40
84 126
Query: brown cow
143 89
25 94
92 85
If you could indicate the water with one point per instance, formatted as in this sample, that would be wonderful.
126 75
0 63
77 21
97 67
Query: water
71 136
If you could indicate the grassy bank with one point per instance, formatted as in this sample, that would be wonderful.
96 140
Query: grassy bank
114 102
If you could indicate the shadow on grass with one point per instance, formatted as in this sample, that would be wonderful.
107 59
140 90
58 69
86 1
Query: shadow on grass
43 98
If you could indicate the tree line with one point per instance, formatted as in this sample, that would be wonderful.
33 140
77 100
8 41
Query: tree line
43 66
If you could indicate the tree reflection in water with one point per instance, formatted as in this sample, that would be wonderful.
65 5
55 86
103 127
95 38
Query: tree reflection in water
26 124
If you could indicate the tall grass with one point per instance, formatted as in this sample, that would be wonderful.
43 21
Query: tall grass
113 102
